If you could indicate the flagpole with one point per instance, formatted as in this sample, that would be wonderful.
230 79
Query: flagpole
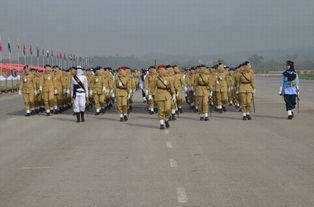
1 50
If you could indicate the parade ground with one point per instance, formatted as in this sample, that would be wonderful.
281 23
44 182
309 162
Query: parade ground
225 162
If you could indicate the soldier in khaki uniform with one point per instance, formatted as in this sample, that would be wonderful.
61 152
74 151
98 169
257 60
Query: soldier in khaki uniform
171 75
179 83
66 85
28 89
190 79
48 89
58 92
97 89
165 95
89 99
203 91
221 88
36 79
150 88
123 91
109 92
246 89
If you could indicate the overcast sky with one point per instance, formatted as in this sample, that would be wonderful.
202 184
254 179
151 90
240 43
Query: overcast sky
177 27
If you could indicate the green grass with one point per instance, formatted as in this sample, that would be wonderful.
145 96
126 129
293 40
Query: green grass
306 76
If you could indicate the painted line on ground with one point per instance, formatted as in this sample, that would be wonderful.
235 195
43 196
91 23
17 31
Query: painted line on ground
173 162
169 145
39 167
181 195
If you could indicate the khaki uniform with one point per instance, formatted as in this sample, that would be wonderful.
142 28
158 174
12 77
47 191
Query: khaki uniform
108 84
97 88
66 85
203 85
221 88
179 84
246 86
150 85
57 82
38 97
163 96
122 87
48 90
28 87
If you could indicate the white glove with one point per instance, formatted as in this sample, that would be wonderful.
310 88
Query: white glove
194 93
211 94
35 92
112 95
220 78
90 92
56 91
146 92
150 97
229 89
40 88
68 91
280 91
104 90
217 82
64 91
254 91
38 91
120 84
237 92
174 98
20 92
129 95
165 82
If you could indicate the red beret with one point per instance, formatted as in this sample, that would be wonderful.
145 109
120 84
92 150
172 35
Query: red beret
161 66
123 68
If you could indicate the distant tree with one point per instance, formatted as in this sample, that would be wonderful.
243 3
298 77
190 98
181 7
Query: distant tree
256 59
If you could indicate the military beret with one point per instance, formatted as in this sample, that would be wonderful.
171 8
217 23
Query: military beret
161 66
46 66
289 62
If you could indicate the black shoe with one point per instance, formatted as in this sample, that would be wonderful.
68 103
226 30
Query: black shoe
248 117
36 111
27 114
206 119
162 127
130 108
167 124
125 118
87 108
173 117
180 110
78 117
121 119
244 118
224 109
47 114
82 116
290 117
151 112
202 118
97 113
156 110
196 110
55 111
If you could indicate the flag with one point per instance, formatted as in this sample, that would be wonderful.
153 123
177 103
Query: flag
0 45
51 52
47 53
43 52
31 50
24 50
18 45
37 52
9 47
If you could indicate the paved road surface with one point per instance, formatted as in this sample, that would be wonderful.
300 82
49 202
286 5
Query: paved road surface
226 162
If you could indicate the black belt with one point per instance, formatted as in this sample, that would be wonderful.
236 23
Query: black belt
245 82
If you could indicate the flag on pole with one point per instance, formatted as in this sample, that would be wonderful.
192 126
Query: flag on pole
31 50
51 52
37 52
24 50
1 46
9 47
43 52
47 53
18 46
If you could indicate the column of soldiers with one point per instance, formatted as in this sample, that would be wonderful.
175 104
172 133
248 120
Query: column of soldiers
164 87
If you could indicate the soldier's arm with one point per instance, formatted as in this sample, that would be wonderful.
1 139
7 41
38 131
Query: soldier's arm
253 81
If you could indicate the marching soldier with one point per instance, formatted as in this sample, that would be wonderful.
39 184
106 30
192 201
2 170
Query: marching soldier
97 90
203 91
58 92
179 84
48 90
66 85
150 88
165 95
246 89
289 88
221 88
123 91
28 89
79 92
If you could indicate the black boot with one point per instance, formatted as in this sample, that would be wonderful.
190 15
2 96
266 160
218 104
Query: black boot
249 117
180 110
244 118
162 126
206 119
173 117
97 113
121 119
82 116
202 118
224 109
78 117
167 124
27 114
125 118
